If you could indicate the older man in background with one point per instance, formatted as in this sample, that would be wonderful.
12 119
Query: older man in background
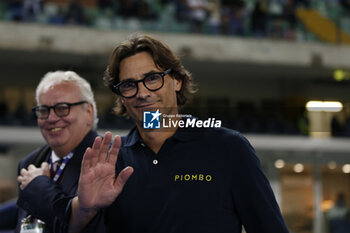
67 117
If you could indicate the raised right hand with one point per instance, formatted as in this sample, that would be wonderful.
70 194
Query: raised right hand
98 184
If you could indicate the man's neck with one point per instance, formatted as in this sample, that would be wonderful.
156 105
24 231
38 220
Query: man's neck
154 139
62 153
64 150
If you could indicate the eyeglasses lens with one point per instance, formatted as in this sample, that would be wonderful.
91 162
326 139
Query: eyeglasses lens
152 82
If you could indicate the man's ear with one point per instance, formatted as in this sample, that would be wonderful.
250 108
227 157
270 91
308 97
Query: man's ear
90 110
177 84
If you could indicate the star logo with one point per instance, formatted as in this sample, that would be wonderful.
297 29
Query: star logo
156 115
151 119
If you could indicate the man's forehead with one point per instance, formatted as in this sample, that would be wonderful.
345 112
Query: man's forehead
54 92
136 65
59 86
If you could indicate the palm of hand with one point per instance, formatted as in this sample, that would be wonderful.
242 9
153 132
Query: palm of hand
98 184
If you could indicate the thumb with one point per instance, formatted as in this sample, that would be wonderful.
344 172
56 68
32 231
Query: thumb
123 177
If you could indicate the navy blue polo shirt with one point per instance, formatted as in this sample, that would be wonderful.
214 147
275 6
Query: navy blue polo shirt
201 180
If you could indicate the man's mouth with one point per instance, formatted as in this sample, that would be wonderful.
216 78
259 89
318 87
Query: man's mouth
55 129
145 105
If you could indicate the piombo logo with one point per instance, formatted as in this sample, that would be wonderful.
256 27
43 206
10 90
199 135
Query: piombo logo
192 177
151 119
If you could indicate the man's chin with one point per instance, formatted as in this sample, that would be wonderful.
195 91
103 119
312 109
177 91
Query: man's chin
55 141
139 122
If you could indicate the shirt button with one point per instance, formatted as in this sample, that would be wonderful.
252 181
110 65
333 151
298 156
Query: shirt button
155 162
142 144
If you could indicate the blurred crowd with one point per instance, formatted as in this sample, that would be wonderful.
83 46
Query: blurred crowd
246 117
258 18
20 116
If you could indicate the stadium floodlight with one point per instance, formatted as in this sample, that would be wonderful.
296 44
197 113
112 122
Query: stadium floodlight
341 75
298 168
324 106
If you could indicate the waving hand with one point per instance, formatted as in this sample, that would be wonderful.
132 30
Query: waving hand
98 184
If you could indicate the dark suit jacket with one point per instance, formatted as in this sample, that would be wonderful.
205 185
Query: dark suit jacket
8 215
39 196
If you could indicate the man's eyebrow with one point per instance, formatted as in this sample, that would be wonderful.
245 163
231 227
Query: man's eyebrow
151 72
128 79
143 75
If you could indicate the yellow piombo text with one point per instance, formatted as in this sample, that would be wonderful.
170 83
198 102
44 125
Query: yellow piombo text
193 177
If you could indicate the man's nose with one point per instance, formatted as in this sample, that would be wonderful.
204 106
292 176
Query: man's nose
143 92
52 115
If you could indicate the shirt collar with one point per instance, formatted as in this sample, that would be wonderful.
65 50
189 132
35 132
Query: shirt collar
181 134
132 138
185 134
55 158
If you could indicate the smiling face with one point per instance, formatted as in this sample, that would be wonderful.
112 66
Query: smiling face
135 67
63 134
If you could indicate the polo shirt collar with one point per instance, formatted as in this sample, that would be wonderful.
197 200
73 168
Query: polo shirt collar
185 134
132 138
181 134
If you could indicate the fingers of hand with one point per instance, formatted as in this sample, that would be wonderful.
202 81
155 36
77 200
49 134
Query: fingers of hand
97 143
23 172
31 167
44 165
113 153
26 176
87 160
94 153
117 142
104 147
33 171
22 181
45 168
22 178
22 186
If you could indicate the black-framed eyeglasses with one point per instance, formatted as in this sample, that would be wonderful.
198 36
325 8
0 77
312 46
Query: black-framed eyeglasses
129 88
61 109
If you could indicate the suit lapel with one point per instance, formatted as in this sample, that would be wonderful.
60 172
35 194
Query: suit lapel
42 156
70 176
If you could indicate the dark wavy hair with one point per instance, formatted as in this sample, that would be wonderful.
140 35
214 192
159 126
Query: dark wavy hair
162 56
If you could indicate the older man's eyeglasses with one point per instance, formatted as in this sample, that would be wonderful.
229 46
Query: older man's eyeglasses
61 109
129 88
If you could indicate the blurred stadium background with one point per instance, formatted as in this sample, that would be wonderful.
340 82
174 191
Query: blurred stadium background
257 64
